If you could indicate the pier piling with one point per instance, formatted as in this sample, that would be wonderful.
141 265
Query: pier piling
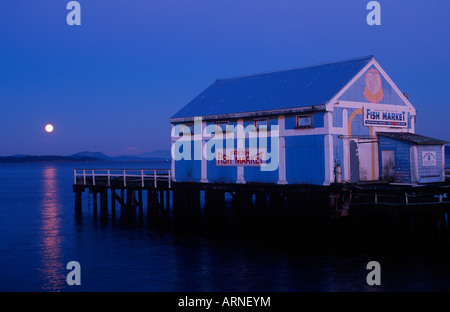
365 207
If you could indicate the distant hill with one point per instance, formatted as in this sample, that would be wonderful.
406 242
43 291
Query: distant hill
87 156
96 155
50 158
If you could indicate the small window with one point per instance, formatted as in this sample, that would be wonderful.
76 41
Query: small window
222 126
187 128
260 123
304 122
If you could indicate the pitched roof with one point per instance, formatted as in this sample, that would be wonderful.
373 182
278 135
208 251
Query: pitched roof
412 138
293 88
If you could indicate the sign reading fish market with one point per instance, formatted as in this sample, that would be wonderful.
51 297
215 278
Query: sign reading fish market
251 157
384 117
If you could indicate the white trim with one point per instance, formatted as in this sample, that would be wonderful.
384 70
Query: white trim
414 164
204 161
198 148
281 153
172 163
443 162
298 132
286 132
376 156
413 124
301 132
356 104
328 121
328 143
282 111
346 146
240 142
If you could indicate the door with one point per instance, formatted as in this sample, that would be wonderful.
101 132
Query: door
365 161
388 164
354 162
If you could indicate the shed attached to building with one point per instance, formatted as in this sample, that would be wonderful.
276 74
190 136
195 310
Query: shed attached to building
411 158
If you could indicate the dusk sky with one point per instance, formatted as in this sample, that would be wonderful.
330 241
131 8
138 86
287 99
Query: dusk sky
112 84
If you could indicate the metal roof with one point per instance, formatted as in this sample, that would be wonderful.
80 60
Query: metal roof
286 89
412 138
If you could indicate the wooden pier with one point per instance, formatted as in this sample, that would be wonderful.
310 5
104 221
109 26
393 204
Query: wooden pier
307 206
126 187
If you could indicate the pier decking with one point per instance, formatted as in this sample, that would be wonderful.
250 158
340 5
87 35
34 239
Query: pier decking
302 202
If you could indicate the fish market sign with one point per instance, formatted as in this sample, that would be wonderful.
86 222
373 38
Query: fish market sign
252 157
383 117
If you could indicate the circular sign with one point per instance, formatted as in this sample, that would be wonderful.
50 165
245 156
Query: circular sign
373 91
373 81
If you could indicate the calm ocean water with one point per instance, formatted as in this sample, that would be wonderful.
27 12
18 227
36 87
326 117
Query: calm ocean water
40 234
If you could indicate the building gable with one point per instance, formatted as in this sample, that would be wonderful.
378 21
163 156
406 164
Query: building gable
372 86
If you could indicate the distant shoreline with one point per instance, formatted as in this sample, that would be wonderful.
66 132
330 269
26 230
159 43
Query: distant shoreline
38 159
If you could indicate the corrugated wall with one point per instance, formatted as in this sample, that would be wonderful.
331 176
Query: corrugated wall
188 170
402 158
305 159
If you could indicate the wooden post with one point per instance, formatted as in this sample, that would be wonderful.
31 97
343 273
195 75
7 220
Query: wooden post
123 204
195 199
104 203
161 200
94 202
167 200
275 201
442 221
176 201
261 201
152 203
113 202
131 208
149 202
78 201
141 208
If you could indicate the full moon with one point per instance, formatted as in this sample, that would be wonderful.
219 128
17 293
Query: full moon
49 128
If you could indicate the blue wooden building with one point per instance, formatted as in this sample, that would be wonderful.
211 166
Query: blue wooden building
411 158
298 126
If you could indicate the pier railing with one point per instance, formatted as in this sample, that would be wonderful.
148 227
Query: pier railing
122 177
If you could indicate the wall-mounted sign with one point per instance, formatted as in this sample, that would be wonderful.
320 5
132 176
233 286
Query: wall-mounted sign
384 117
373 91
252 157
428 159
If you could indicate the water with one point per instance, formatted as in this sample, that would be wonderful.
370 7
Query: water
40 234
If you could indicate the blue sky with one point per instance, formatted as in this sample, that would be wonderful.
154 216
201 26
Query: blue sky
112 83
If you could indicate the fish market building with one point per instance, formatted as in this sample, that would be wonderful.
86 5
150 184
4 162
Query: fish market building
339 121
